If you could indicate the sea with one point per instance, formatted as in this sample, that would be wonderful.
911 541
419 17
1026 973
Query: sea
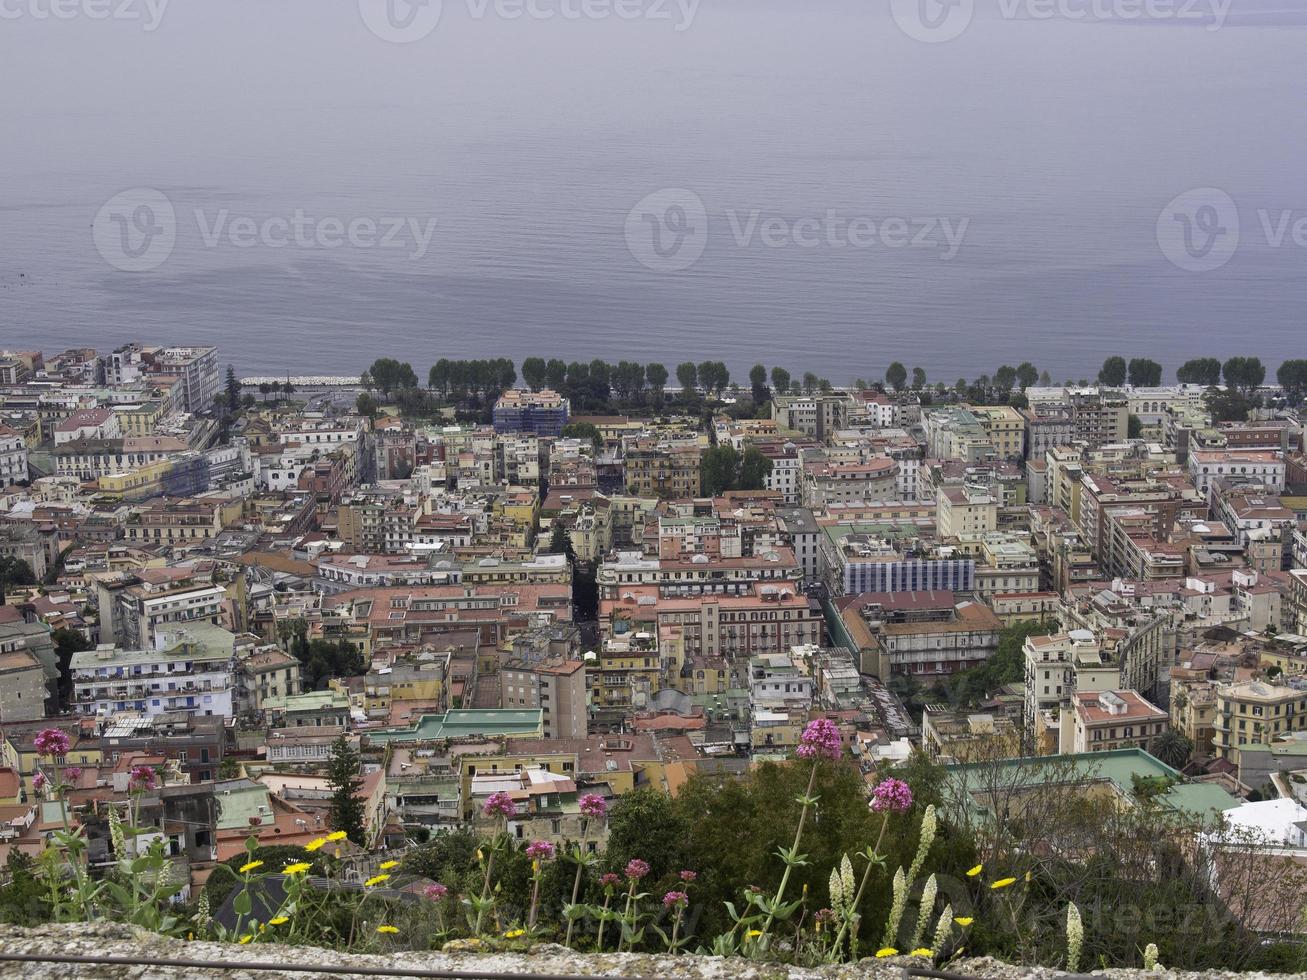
824 185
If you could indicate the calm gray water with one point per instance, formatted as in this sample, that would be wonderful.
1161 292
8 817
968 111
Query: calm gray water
817 135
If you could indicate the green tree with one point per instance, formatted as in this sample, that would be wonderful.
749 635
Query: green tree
346 809
66 643
918 378
23 896
1144 372
758 383
560 542
754 470
1173 748
1244 373
1134 427
1113 372
1199 371
780 380
1230 405
389 375
534 372
656 375
1292 376
1005 377
647 824
687 375
896 376
366 405
233 390
1027 375
719 470
14 571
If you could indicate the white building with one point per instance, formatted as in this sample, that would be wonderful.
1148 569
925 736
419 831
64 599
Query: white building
13 457
1264 466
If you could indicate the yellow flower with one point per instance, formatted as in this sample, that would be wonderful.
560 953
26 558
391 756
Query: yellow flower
964 920
387 929
754 933
887 951
375 880
480 857
923 952
387 865
280 920
246 940
975 871
298 868
336 835
1002 883
250 866
314 845
1027 876
514 933
535 865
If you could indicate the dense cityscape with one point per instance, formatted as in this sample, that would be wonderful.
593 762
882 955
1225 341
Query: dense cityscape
484 652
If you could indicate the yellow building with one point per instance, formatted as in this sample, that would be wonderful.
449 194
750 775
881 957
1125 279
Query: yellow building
139 420
1006 428
1255 713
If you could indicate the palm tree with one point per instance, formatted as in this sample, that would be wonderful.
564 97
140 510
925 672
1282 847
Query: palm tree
1172 748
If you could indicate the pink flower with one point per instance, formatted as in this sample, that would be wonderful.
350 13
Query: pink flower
593 805
820 740
38 781
688 876
610 879
540 850
73 773
52 742
435 892
142 778
636 869
675 900
500 805
892 795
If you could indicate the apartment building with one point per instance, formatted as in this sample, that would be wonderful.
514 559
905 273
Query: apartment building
1262 466
1103 721
557 687
917 633
1256 713
13 457
1006 428
651 469
543 412
873 480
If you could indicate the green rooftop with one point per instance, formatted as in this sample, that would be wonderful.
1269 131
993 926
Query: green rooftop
466 723
1119 767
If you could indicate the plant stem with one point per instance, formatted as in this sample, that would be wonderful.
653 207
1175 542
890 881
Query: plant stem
603 921
626 916
576 882
798 835
862 887
485 888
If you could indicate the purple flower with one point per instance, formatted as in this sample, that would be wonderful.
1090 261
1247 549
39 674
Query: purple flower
73 773
38 781
892 795
593 805
610 879
636 869
142 778
675 900
52 742
540 850
500 805
820 740
688 876
435 892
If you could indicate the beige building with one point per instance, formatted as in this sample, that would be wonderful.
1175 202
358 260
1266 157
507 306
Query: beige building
1256 713
1105 720
24 691
557 687
1006 428
965 513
